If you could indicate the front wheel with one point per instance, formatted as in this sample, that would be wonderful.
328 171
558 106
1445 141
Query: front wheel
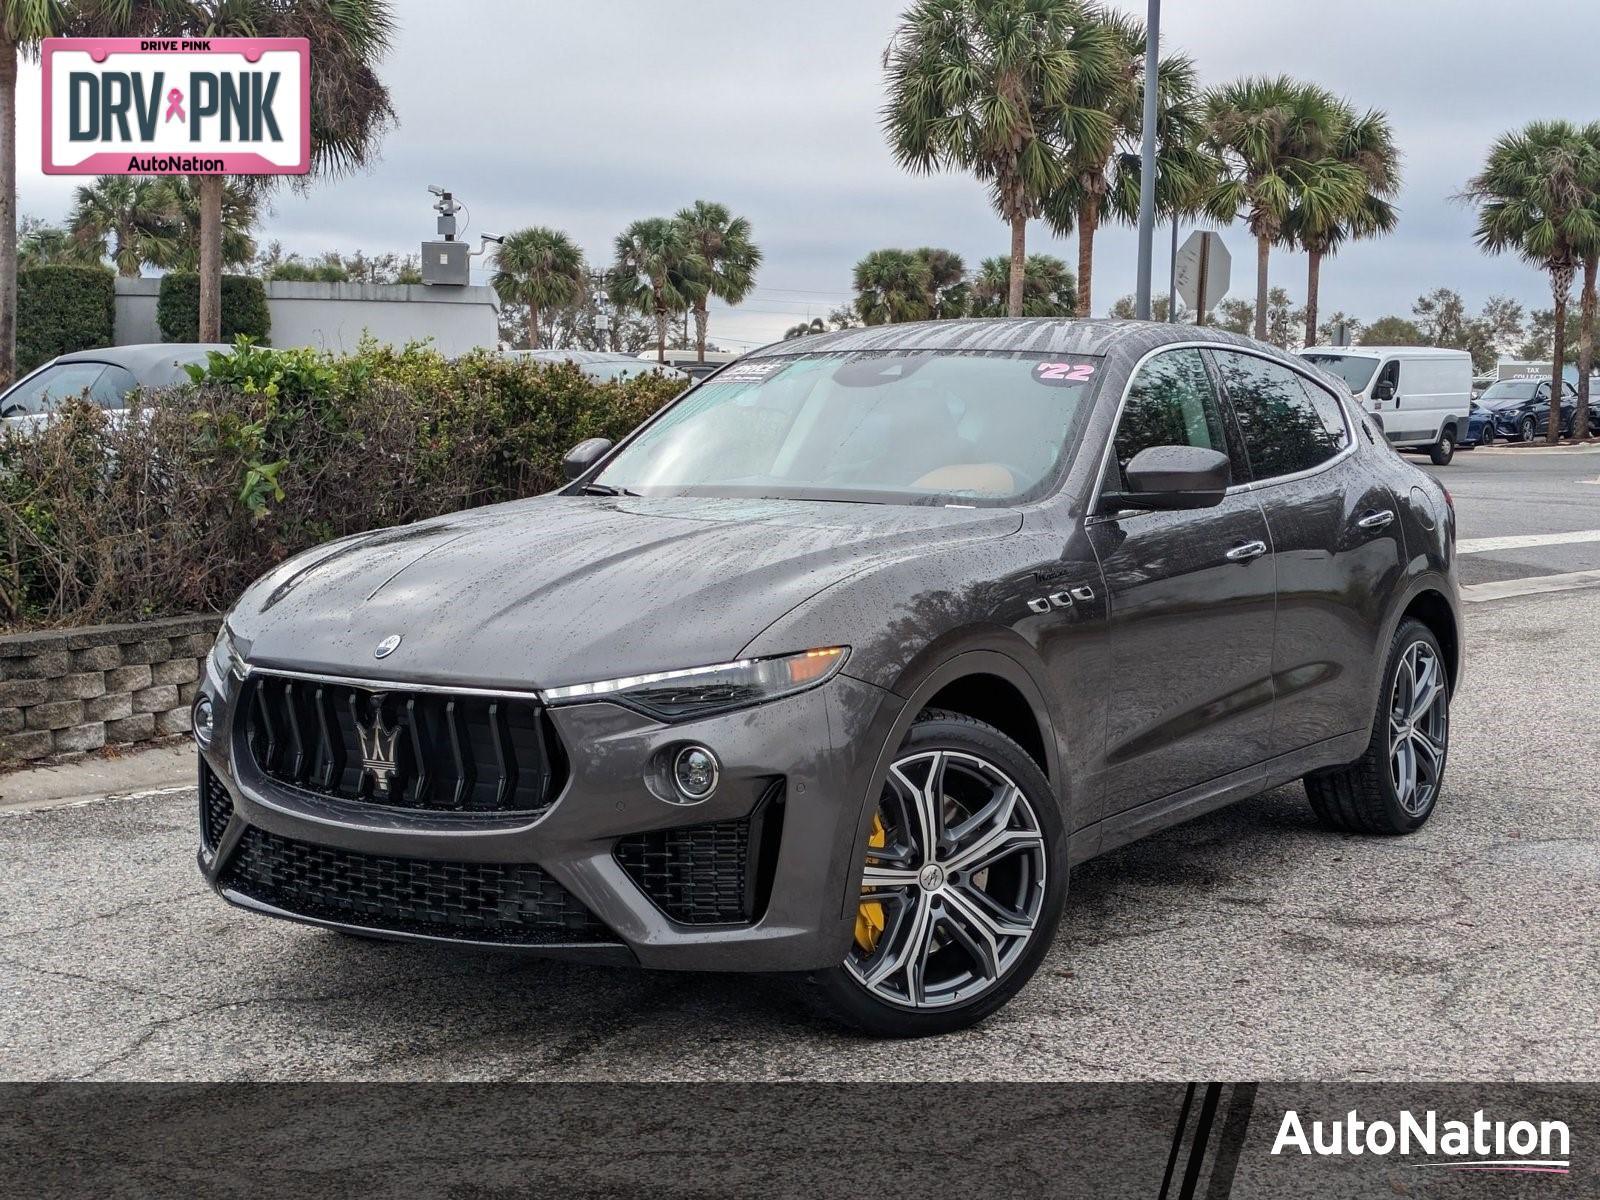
1529 427
1394 786
964 878
1442 451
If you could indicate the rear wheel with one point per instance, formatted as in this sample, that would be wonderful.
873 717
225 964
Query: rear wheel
1442 451
1486 438
1393 787
964 878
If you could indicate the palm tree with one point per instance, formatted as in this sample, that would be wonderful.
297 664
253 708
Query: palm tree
893 286
1103 162
1274 137
805 329
721 241
350 106
657 272
40 244
23 24
1319 226
949 295
542 269
989 86
1048 288
1534 196
131 219
241 207
1590 249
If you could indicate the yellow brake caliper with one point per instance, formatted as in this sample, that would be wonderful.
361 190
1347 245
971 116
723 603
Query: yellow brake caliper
869 917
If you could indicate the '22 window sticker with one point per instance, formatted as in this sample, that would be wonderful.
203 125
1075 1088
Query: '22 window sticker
1063 374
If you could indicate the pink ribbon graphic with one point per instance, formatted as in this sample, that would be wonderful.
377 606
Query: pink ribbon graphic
175 105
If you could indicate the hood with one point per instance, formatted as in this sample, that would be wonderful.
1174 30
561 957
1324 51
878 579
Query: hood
568 589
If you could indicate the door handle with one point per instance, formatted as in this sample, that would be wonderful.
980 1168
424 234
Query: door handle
1376 520
1247 551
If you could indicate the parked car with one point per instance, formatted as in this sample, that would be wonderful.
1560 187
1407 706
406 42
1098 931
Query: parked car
1519 409
600 364
689 362
107 376
1418 395
838 663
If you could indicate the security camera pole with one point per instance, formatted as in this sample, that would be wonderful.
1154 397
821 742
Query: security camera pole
1147 170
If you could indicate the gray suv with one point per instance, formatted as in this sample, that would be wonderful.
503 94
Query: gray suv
838 664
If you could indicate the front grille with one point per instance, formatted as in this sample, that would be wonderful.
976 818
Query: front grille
439 752
216 808
716 874
486 902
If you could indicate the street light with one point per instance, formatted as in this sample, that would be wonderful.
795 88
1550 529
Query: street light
1147 170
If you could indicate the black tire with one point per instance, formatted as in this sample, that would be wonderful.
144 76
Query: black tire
1442 451
1361 797
1486 438
1529 428
845 997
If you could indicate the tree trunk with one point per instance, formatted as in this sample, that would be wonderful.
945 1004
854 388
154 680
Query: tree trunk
8 212
701 319
1019 259
1580 419
1263 250
661 332
1088 221
1561 289
210 258
533 327
1313 282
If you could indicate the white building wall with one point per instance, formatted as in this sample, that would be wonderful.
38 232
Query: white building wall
334 316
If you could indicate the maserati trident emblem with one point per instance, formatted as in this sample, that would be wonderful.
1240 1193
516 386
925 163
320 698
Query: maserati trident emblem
379 748
387 646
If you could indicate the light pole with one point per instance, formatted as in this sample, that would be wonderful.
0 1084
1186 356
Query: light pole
1147 170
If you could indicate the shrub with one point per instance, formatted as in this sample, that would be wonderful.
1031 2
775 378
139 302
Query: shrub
268 452
244 308
62 309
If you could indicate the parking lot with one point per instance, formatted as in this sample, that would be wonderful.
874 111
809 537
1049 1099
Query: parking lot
1247 944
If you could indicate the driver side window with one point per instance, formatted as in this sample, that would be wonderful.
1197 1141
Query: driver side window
1171 402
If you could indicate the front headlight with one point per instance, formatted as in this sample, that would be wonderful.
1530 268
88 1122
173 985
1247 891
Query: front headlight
698 691
225 656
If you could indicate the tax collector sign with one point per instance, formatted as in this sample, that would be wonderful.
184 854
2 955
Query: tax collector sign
177 106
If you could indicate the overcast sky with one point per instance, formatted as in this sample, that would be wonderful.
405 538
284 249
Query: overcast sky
586 115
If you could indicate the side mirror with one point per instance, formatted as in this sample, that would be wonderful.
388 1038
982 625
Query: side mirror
583 456
1171 477
1384 389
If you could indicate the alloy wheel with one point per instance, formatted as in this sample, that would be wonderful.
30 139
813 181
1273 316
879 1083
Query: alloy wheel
954 883
1419 728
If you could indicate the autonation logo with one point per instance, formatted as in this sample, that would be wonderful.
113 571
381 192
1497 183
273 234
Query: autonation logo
1480 1144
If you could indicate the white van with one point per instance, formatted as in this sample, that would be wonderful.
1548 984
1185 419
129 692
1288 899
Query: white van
1418 395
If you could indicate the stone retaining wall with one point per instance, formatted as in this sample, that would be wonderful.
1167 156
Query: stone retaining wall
68 690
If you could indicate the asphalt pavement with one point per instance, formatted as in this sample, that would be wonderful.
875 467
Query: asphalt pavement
1249 944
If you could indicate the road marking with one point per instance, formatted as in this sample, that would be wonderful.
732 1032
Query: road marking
1533 585
1524 540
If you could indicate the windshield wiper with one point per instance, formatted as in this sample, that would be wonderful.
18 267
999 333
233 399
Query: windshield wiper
604 489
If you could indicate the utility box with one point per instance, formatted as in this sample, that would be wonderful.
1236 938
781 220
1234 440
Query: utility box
446 263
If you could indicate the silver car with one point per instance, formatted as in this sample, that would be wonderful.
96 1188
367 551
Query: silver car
107 376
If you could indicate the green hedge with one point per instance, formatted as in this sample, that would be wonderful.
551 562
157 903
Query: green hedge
244 308
62 309
268 453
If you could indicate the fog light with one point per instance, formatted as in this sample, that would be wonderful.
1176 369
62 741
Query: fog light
694 770
204 721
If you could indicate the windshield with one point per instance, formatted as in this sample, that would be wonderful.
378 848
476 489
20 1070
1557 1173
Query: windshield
1355 371
890 427
1508 391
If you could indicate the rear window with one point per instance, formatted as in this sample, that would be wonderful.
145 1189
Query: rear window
1355 370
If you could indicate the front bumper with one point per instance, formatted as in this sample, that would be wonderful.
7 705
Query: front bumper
598 865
